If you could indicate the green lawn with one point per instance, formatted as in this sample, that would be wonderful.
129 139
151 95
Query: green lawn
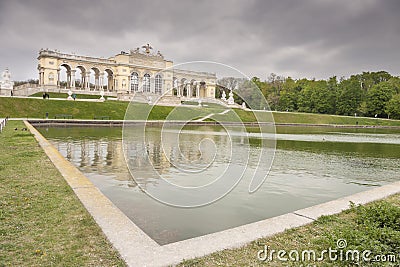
37 108
374 227
295 117
42 222
65 95
211 105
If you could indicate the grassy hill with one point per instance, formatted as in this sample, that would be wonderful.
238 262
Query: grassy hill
37 108
65 95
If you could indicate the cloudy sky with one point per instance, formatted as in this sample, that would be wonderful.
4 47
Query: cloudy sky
307 38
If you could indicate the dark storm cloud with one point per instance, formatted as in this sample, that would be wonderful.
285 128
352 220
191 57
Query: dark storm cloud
309 38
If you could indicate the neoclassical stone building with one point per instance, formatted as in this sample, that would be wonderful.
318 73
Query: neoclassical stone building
139 71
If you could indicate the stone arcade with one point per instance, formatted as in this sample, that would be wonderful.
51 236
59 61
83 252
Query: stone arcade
139 71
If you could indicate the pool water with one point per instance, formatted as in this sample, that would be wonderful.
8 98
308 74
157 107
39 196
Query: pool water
311 166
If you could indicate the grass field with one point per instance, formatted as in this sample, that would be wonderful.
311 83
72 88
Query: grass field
65 95
42 222
37 108
294 117
374 227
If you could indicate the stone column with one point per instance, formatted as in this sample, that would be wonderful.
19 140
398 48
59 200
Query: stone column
188 90
109 79
73 79
101 81
83 80
178 89
87 85
68 79
96 81
182 89
58 78
197 90
40 78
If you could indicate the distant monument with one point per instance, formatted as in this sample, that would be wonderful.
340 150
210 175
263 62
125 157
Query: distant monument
231 100
6 85
223 95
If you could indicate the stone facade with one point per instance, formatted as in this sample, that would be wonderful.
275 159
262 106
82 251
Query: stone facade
139 71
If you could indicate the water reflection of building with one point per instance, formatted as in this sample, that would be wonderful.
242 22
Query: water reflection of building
100 155
106 156
179 154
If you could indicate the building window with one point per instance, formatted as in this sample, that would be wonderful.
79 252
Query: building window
146 83
158 84
134 82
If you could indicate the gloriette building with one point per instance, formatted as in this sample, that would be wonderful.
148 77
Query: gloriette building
137 71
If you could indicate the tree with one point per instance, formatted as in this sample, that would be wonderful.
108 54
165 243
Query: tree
276 82
315 97
305 103
288 101
393 107
395 84
367 93
288 95
377 97
323 98
229 83
249 91
349 96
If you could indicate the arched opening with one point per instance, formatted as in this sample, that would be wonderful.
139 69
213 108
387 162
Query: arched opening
94 82
80 78
184 87
146 83
158 84
193 92
64 76
134 83
110 80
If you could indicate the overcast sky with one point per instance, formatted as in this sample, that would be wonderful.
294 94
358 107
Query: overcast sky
307 38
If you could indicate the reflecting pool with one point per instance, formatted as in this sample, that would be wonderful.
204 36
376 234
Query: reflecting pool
312 165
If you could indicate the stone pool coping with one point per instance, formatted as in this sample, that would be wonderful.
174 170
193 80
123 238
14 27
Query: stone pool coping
138 249
84 122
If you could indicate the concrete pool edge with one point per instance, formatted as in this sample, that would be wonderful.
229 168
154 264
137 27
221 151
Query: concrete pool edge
138 249
128 239
85 122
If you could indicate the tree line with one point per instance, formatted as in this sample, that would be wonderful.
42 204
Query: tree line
372 94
